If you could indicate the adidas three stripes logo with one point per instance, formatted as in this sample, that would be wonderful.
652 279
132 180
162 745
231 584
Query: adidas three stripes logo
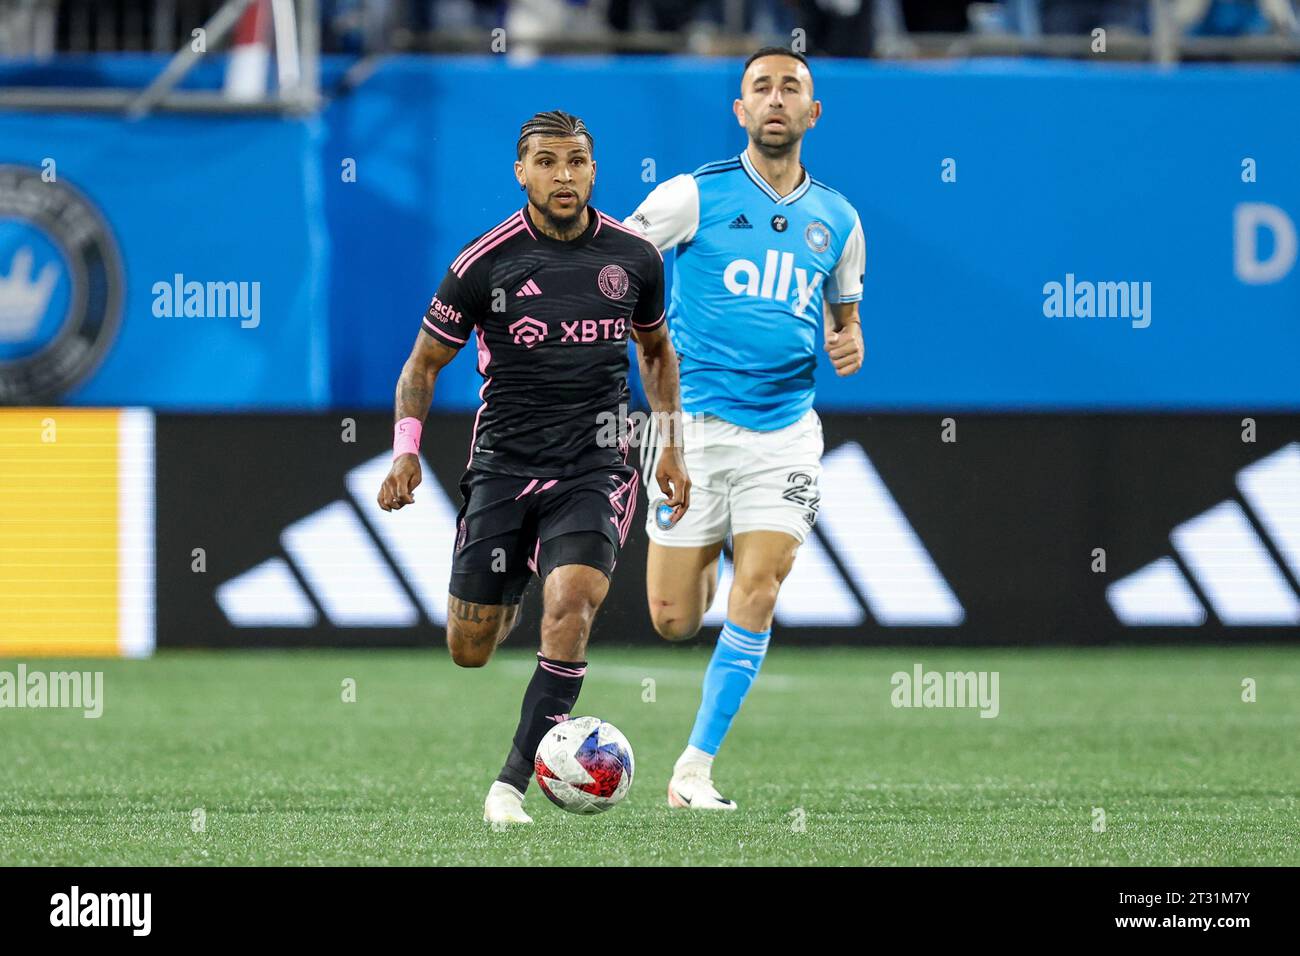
366 568
359 567
1226 557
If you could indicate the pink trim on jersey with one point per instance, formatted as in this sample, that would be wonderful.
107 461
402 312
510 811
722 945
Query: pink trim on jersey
599 215
631 232
437 331
523 215
481 251
490 234
484 359
650 325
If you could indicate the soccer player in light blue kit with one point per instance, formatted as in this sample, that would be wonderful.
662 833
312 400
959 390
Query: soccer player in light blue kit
766 256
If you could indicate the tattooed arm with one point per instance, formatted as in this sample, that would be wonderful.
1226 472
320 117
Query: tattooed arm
414 393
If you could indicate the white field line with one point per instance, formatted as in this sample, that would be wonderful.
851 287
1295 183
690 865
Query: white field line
627 674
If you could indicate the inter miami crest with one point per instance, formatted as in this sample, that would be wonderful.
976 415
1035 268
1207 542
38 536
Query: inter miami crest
613 281
61 287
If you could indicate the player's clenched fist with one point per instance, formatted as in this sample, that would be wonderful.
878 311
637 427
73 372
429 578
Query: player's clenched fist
403 478
674 482
845 349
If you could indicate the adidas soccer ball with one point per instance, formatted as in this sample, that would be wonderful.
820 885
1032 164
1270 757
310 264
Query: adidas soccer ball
584 765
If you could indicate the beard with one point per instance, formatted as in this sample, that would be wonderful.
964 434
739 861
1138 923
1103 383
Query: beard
776 142
560 219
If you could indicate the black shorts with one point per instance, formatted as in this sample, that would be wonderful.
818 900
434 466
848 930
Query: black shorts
511 528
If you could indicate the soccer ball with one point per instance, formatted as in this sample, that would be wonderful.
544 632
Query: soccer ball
584 765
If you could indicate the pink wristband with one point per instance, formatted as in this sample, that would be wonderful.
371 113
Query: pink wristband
406 437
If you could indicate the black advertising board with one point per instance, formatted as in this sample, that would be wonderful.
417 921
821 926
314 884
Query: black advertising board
971 529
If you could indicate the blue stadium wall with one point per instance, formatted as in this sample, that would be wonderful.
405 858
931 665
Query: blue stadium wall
1012 477
1100 173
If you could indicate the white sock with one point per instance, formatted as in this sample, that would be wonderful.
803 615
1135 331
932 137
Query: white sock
696 757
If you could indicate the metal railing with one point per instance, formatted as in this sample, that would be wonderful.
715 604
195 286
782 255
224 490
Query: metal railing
38 29
295 39
1020 34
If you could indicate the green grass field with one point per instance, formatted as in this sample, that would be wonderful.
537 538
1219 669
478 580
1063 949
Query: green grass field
287 773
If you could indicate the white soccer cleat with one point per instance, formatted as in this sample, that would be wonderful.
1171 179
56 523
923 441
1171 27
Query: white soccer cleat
504 805
692 789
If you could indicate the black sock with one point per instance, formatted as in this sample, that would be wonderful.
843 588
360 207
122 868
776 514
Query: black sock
548 700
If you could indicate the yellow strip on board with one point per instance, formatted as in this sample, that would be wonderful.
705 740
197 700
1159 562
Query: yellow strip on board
58 532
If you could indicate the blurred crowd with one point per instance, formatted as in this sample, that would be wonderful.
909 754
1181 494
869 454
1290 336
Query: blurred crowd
831 27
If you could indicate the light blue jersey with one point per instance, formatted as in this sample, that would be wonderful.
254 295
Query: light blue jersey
752 271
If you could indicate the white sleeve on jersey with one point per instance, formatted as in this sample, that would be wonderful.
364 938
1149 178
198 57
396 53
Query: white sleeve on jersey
670 214
844 284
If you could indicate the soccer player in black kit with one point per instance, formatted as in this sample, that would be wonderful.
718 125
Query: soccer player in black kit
551 296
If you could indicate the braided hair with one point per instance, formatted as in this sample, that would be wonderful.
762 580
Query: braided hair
553 123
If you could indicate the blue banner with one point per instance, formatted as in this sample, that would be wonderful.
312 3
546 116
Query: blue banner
178 262
1041 236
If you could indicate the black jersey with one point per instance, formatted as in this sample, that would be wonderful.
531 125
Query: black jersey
551 320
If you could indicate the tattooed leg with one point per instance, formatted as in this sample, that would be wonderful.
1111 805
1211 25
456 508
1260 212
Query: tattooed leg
474 630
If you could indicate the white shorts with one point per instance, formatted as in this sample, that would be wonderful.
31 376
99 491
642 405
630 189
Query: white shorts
741 480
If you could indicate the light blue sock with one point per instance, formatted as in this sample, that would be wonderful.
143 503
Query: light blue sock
735 663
